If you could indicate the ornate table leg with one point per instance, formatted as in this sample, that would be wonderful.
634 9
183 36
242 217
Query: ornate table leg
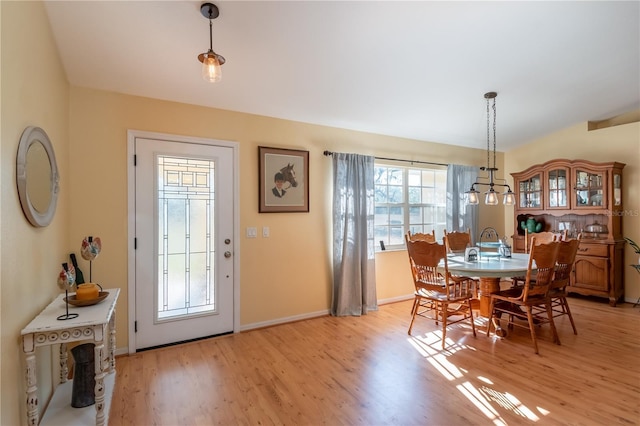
112 343
488 285
100 374
33 417
64 368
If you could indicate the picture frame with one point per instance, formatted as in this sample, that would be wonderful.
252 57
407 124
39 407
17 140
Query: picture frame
283 180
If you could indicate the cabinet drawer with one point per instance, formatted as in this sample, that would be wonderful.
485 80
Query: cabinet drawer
601 250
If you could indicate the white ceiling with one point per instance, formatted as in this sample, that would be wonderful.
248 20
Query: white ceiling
417 70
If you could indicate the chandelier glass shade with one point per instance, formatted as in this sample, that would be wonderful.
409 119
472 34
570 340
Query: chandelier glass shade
211 61
491 196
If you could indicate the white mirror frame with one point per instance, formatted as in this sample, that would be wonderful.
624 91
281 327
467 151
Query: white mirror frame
32 135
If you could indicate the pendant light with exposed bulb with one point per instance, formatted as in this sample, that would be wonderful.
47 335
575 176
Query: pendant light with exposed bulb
211 61
491 196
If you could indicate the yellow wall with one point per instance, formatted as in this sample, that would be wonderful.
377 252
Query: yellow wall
301 241
88 129
34 93
618 143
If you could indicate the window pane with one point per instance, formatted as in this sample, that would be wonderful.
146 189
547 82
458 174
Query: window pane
395 194
396 215
427 178
428 196
395 176
382 216
415 215
381 194
397 235
382 233
414 195
380 175
414 177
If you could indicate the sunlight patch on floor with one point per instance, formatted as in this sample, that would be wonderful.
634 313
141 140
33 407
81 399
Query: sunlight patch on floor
486 398
510 402
473 395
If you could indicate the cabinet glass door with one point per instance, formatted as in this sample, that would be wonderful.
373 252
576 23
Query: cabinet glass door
617 191
589 189
557 188
530 193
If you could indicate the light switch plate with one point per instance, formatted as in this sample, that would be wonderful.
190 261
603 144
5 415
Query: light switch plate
265 231
252 232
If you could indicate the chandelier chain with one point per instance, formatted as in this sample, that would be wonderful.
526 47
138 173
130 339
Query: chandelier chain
494 132
488 148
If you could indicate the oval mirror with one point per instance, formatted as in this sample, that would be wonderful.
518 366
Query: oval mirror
37 176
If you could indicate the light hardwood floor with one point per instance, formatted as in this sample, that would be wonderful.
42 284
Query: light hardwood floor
368 371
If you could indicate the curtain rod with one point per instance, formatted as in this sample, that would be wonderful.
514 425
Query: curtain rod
329 153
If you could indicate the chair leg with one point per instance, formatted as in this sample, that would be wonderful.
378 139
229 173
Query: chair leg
414 311
554 332
532 329
490 318
473 324
565 305
444 307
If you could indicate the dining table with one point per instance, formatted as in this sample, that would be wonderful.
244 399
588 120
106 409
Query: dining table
489 270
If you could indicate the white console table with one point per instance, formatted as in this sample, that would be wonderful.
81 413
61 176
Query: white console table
95 323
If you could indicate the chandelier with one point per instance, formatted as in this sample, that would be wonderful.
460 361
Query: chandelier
211 61
491 196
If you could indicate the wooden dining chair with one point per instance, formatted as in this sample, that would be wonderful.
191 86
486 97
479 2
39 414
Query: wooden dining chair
540 238
564 266
430 238
418 236
530 302
444 297
458 241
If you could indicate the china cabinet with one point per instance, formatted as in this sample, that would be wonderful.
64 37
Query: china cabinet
583 197
95 324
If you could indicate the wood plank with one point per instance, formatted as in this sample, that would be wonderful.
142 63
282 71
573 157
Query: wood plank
367 370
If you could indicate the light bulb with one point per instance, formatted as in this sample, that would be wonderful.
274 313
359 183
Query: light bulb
473 197
491 198
509 198
211 70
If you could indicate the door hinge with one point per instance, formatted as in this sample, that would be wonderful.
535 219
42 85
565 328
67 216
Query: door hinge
135 160
135 326
135 243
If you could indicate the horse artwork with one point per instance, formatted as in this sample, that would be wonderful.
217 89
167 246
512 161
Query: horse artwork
284 180
289 175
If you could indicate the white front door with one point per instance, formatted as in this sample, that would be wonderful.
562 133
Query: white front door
184 263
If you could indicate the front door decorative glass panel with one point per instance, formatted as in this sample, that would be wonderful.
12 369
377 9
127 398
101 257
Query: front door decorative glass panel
186 204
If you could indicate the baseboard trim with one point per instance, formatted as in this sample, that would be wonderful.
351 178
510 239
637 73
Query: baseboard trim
310 315
293 318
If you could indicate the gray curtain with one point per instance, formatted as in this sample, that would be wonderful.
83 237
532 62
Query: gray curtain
461 215
354 280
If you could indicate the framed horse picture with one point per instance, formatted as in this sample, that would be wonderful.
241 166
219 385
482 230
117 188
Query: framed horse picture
283 180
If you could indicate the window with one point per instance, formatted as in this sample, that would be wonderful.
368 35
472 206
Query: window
408 199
